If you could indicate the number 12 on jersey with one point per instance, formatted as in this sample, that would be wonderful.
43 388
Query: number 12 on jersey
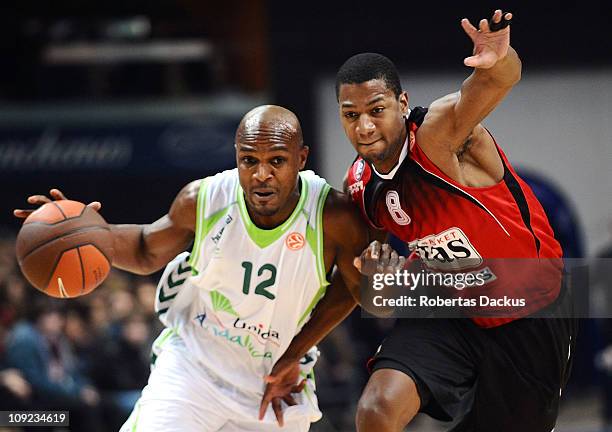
260 289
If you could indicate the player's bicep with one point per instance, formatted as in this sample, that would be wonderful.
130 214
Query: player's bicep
474 102
144 249
172 233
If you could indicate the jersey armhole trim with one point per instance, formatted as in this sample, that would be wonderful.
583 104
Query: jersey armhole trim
199 237
320 259
320 237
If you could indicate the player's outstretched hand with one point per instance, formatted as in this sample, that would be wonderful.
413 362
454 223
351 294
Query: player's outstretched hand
279 385
491 40
379 258
40 200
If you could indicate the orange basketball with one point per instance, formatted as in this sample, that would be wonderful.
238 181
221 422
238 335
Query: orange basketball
65 249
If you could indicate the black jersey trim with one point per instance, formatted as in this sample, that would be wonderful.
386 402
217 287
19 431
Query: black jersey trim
417 115
370 196
521 201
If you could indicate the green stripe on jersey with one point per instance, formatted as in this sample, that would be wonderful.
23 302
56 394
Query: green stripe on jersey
199 237
320 238
315 240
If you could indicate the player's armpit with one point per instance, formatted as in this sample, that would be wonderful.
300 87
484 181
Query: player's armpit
144 249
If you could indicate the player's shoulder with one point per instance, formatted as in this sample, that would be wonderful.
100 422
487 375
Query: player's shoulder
190 190
216 191
341 217
188 195
187 198
184 207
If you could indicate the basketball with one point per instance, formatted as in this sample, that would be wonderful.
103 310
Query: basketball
65 249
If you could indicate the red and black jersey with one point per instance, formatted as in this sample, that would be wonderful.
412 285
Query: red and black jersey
452 227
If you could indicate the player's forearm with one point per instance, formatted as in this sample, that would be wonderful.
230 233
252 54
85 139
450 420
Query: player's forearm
481 92
130 249
503 75
330 312
144 249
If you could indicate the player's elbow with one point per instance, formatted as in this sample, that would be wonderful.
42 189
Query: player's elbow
513 70
517 67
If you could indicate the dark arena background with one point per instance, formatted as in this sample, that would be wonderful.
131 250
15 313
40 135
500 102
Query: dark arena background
124 102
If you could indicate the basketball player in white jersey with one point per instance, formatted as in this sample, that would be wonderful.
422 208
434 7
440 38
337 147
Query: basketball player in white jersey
265 239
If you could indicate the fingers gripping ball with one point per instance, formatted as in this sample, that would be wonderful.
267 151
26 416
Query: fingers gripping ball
65 249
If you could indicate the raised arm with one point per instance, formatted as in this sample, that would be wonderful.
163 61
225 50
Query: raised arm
452 119
144 249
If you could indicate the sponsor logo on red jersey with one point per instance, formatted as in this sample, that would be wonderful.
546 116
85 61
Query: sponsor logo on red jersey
358 169
355 187
449 250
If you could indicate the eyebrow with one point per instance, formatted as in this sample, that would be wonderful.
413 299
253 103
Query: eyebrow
376 99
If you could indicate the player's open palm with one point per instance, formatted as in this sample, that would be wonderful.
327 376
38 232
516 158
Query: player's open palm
491 40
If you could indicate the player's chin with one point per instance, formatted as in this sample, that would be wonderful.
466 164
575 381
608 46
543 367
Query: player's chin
264 209
374 152
372 156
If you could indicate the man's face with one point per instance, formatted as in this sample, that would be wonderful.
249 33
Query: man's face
373 120
268 170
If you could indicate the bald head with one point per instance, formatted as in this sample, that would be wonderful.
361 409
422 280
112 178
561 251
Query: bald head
271 123
269 155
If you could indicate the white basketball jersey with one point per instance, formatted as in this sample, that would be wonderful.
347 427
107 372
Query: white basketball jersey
250 290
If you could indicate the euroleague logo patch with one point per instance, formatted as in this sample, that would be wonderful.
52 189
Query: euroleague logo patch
295 241
358 170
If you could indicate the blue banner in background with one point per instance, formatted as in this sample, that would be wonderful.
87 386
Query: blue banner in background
138 148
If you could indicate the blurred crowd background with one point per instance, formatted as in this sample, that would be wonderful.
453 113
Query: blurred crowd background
126 101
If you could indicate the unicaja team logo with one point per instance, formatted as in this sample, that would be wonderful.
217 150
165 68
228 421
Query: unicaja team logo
295 241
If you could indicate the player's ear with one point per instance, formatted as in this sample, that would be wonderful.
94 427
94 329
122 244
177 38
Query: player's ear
304 150
403 101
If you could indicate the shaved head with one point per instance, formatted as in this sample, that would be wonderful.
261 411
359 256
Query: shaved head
272 123
270 153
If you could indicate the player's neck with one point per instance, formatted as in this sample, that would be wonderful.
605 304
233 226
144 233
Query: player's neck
385 166
278 218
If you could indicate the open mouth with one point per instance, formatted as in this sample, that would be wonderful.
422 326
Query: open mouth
263 195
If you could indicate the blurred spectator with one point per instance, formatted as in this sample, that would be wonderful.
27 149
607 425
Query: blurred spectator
8 263
121 366
14 299
15 391
145 294
39 349
99 314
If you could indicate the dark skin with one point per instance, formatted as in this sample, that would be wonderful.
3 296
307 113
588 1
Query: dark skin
269 155
453 138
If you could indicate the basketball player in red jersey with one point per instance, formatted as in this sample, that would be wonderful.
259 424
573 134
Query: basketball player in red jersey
436 179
